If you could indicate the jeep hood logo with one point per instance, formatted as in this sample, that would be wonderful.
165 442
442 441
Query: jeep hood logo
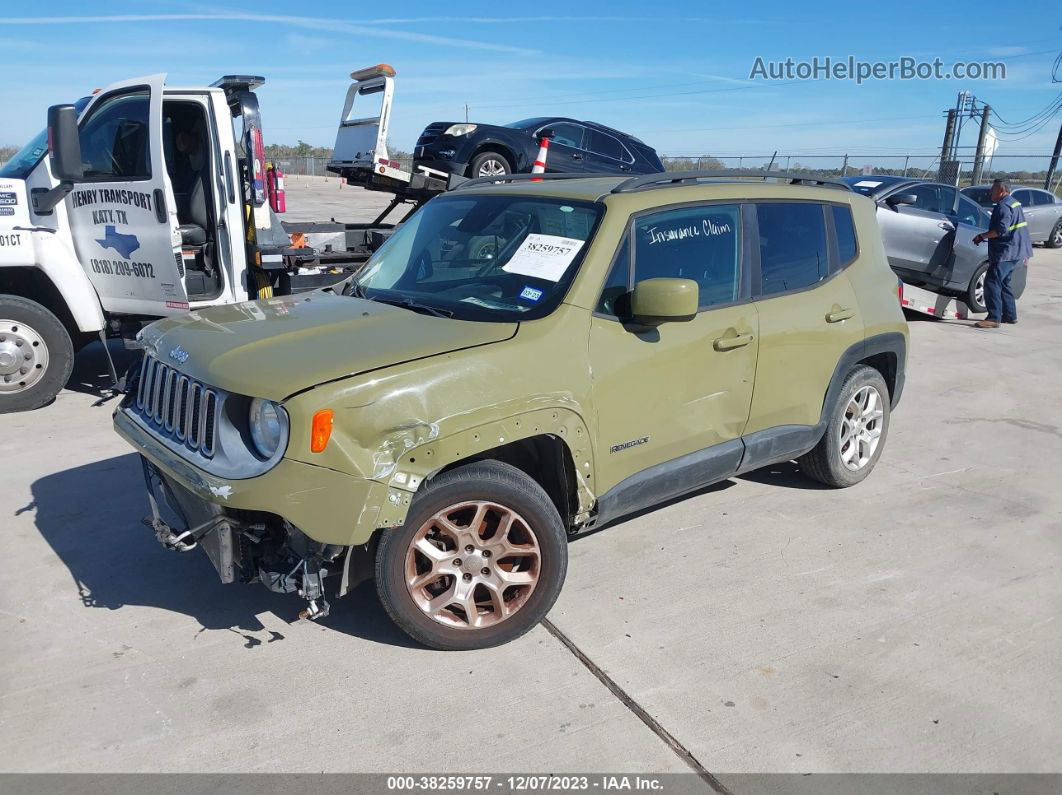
179 355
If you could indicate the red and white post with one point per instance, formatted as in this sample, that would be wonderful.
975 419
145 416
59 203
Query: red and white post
539 166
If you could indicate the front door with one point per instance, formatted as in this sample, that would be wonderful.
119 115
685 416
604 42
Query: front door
122 215
919 238
682 387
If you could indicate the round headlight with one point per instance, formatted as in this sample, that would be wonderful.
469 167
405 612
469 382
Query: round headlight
269 426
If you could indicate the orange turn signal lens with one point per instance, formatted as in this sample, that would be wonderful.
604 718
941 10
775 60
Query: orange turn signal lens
321 430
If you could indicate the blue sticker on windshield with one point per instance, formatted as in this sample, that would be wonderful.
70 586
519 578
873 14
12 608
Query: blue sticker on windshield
531 294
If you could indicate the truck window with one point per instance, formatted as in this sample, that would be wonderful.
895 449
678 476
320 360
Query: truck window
792 245
114 139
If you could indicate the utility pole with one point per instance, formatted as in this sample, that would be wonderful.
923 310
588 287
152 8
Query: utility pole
979 154
466 112
1054 160
949 141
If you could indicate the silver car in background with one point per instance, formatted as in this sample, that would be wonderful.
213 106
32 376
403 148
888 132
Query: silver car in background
928 230
1043 211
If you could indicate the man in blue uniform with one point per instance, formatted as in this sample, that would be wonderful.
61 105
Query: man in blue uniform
1009 245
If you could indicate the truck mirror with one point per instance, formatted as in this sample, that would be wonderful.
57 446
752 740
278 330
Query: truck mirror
64 143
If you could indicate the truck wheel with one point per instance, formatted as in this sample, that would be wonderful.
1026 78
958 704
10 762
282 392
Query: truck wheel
479 561
1054 240
36 355
975 292
489 164
855 434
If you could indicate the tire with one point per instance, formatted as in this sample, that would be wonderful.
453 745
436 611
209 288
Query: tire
1054 240
36 355
974 295
492 164
827 462
483 490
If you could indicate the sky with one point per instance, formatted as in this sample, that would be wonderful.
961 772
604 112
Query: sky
675 74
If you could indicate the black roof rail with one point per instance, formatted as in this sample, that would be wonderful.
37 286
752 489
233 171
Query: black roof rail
672 178
527 178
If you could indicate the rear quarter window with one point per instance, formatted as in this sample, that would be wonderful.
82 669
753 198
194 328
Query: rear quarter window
844 228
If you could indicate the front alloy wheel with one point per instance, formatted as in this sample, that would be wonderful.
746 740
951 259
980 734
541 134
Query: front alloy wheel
473 565
479 561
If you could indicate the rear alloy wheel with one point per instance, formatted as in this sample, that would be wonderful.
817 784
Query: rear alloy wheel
1054 240
489 164
36 355
855 434
479 561
975 293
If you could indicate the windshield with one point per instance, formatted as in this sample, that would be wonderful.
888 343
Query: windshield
525 124
871 185
982 196
27 158
481 257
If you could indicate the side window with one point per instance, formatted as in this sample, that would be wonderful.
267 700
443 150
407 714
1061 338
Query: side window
792 246
1023 197
971 215
604 144
615 295
934 198
1041 198
847 247
700 243
567 134
114 139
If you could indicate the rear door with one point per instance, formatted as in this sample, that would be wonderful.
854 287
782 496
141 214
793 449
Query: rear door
808 313
567 148
122 215
607 154
1040 213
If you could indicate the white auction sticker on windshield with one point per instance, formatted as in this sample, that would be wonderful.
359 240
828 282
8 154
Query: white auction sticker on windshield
544 256
867 183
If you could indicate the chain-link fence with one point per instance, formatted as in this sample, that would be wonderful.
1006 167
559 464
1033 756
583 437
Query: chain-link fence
1028 170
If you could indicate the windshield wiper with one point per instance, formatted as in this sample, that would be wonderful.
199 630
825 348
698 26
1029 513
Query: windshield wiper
415 306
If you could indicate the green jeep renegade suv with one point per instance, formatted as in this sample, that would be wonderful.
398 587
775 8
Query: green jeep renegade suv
521 362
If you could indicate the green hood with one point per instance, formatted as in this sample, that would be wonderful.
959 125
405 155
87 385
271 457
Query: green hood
279 346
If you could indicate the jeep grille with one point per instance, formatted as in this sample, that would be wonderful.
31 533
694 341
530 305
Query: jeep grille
177 406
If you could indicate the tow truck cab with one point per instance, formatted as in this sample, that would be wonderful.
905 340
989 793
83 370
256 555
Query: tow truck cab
138 202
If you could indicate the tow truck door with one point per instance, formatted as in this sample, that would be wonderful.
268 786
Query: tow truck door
123 218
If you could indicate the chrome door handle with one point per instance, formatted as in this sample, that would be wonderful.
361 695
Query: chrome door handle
577 156
729 343
946 226
840 314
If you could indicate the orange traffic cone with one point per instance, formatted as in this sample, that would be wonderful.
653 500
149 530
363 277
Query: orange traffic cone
539 166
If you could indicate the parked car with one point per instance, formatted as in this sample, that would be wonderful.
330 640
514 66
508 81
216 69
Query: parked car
621 342
1043 211
489 150
928 229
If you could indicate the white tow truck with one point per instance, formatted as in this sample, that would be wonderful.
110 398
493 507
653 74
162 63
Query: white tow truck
145 200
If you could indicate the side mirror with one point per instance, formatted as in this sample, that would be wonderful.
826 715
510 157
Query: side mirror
64 143
549 132
901 198
656 301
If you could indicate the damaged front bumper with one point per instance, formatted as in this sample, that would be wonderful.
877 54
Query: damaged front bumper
328 506
244 546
